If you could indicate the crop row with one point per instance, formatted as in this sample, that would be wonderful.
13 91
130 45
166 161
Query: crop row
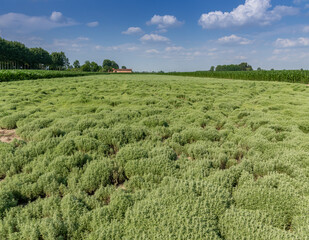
293 76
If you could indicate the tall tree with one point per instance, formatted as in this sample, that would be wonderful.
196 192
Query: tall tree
86 67
108 65
39 58
76 64
17 55
233 67
115 65
94 67
59 61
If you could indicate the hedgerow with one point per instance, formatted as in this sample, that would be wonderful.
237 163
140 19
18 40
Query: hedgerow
154 157
17 75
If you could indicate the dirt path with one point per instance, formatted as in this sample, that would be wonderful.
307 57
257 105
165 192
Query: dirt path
7 136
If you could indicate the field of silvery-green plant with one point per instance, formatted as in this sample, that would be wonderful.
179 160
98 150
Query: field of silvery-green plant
154 157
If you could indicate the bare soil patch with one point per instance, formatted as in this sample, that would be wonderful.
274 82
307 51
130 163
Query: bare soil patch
7 136
121 186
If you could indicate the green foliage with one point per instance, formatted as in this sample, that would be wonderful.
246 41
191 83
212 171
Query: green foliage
86 144
157 166
237 224
39 57
98 173
240 67
293 76
90 67
180 210
155 121
7 200
131 152
14 52
154 157
94 67
59 61
10 122
86 67
109 65
76 64
16 75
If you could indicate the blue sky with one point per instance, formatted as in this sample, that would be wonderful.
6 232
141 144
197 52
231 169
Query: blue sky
165 35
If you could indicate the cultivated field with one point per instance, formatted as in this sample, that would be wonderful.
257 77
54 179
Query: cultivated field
293 76
154 157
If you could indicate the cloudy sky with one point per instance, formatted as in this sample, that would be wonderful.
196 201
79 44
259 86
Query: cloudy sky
182 35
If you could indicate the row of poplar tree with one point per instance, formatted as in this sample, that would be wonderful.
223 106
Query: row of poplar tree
15 55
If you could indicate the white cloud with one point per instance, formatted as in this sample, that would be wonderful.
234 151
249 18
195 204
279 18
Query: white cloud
154 38
251 12
23 23
195 53
165 21
299 1
241 58
36 40
56 16
152 51
173 49
280 51
161 30
70 45
288 43
306 29
132 49
99 47
233 39
289 56
123 48
93 24
133 30
64 43
213 49
280 11
83 39
69 42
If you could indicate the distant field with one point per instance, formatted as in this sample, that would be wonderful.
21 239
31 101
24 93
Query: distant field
15 75
293 76
154 157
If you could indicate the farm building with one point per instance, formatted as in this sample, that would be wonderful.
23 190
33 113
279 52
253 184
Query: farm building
122 70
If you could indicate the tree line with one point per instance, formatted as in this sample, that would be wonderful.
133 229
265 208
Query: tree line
107 66
232 67
15 55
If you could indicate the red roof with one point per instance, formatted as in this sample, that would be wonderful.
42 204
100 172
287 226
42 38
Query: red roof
119 70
